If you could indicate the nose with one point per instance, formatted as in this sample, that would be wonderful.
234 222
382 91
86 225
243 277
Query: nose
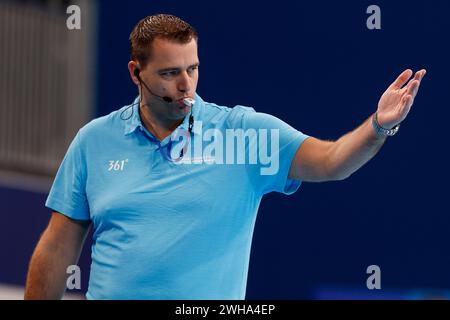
184 82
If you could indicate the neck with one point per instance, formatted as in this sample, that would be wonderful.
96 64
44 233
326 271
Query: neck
158 126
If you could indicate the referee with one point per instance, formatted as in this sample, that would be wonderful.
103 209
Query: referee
172 212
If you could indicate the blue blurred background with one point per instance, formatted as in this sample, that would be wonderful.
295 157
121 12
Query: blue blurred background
317 66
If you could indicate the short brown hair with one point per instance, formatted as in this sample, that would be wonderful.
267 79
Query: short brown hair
164 26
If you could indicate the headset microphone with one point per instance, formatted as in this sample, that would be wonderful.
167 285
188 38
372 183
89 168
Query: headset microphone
136 73
186 101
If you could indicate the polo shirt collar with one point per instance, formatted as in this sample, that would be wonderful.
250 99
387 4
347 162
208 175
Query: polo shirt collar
133 119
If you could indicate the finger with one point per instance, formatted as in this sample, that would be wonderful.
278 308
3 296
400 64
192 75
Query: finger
402 79
418 75
424 72
412 88
408 89
407 102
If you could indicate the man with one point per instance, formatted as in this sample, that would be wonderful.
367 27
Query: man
169 224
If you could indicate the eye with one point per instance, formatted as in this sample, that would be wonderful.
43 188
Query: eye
169 73
192 69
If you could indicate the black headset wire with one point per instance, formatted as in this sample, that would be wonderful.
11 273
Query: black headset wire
136 73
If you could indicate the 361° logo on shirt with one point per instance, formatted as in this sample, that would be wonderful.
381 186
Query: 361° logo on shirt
117 165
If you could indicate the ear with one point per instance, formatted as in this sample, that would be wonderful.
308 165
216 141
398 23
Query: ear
134 70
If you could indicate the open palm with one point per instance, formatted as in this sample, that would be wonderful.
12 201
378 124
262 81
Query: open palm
396 101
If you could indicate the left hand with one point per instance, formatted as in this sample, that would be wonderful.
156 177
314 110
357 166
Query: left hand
395 103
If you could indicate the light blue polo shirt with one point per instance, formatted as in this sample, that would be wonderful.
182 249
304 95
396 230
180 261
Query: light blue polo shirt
166 230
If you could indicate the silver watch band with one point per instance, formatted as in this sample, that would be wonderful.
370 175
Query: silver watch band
379 130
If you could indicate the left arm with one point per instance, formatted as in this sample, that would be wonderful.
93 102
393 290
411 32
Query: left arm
317 160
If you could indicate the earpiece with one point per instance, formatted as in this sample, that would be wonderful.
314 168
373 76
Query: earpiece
136 73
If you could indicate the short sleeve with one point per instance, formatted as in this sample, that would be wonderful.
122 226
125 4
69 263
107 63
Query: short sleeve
271 172
67 194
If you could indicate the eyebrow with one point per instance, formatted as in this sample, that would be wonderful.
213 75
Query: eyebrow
177 68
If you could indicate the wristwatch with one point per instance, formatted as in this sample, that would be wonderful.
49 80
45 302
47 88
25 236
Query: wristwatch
383 131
